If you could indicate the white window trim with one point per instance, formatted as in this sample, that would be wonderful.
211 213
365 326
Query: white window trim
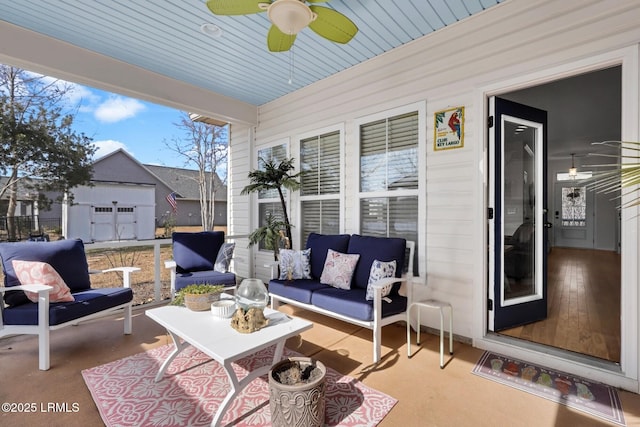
255 200
421 192
341 195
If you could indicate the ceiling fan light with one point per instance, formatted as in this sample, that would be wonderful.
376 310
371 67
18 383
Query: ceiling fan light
290 16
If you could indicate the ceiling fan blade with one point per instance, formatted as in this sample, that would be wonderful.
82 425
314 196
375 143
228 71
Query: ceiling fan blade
277 41
332 25
236 7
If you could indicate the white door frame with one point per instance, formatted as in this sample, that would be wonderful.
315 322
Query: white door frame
626 374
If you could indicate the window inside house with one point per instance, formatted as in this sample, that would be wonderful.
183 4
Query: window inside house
320 185
389 178
574 206
269 206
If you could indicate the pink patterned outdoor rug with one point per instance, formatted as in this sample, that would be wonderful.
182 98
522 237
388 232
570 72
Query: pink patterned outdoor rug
584 395
194 386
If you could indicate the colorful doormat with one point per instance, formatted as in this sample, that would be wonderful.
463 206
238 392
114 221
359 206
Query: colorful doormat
194 386
584 395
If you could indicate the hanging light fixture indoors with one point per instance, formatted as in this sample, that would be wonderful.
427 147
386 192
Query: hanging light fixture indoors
573 171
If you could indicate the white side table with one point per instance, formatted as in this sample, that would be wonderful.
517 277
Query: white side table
440 305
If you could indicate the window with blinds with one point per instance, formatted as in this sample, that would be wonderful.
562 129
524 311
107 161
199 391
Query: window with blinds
264 210
389 168
277 153
320 185
269 201
389 154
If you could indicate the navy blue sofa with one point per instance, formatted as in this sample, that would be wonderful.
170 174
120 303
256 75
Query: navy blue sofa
194 260
68 259
351 305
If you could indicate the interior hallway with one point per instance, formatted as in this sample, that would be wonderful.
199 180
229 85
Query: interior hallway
583 304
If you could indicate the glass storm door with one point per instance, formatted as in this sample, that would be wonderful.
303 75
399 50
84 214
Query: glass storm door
518 215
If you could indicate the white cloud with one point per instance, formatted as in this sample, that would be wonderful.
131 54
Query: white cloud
117 108
108 146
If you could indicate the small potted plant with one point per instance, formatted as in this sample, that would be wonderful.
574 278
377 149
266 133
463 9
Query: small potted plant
198 297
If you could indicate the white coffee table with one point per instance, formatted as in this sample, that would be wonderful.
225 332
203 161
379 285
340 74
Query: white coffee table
217 339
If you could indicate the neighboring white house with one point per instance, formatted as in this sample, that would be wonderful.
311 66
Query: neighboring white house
110 211
128 201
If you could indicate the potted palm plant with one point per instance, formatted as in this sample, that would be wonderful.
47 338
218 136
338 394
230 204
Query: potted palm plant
277 176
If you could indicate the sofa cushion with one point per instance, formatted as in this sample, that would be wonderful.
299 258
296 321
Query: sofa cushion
196 251
372 248
299 290
352 303
380 270
67 257
338 269
223 259
296 262
86 302
41 273
204 277
320 244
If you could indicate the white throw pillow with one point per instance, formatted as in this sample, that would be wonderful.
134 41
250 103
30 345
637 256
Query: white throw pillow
296 262
338 269
223 259
380 270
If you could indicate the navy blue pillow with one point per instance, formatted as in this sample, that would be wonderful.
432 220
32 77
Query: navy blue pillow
320 245
196 251
372 248
67 257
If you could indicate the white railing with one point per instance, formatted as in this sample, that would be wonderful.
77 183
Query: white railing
156 243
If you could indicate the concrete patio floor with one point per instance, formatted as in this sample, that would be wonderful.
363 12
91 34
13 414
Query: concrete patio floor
427 395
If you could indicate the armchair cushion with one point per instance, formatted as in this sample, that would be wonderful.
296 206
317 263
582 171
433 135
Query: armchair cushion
196 251
41 273
223 260
86 302
204 277
67 257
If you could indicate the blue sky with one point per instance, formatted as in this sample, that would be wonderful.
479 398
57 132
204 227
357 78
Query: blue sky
115 121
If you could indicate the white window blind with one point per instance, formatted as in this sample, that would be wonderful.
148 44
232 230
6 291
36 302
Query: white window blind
320 162
320 216
388 167
320 185
277 153
389 154
264 210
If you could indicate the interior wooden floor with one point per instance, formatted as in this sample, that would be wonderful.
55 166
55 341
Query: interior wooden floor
427 395
583 304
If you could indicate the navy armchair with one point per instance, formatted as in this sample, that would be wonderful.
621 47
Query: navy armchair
55 276
198 258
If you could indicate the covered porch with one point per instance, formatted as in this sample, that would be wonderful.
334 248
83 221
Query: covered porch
426 394
511 45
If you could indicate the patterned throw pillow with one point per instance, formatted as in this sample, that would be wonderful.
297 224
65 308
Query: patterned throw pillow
338 269
296 262
224 257
41 273
380 270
